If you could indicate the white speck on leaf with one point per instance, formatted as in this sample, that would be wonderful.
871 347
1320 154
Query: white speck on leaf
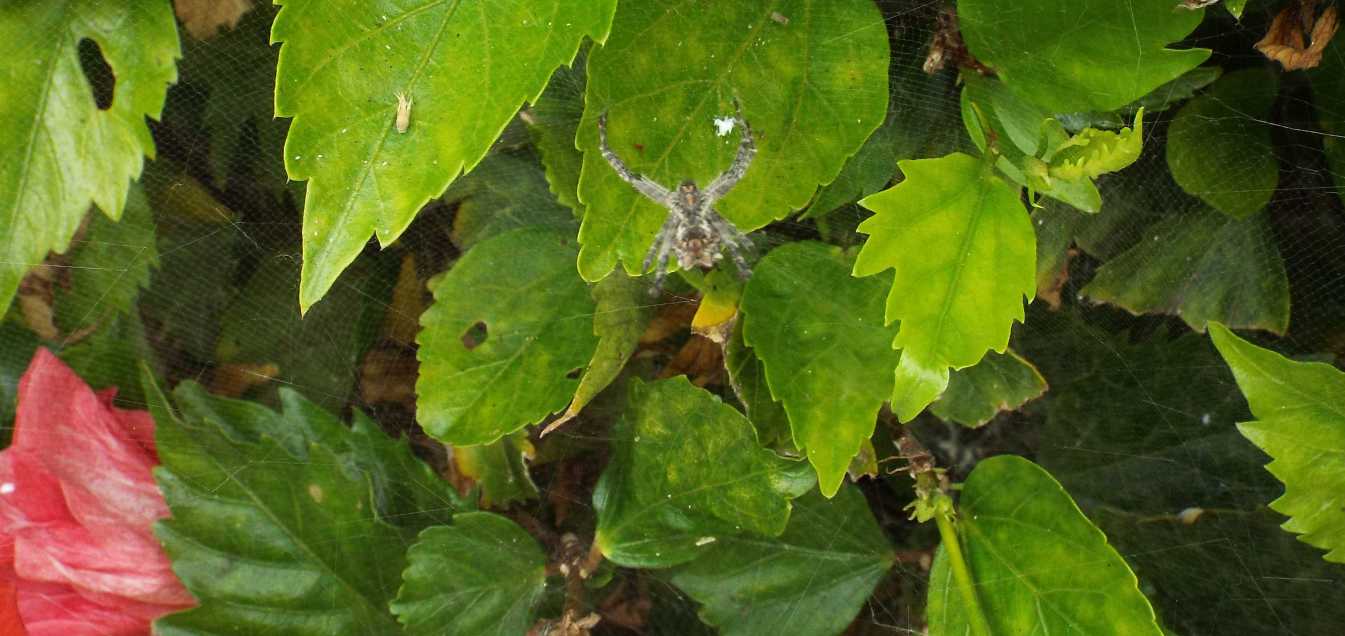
724 125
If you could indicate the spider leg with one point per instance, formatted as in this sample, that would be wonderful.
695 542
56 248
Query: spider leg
734 241
747 149
659 252
653 191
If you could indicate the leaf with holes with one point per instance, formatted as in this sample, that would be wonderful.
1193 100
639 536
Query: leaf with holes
999 382
1219 146
813 579
812 323
500 348
342 65
965 255
1300 422
481 575
1084 55
686 469
1201 266
1037 564
812 87
274 524
62 151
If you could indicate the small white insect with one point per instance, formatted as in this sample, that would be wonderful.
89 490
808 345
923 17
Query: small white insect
724 125
403 112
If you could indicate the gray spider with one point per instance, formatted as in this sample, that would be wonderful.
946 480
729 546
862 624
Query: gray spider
694 231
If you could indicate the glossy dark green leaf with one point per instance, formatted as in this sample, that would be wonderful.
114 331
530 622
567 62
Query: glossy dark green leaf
270 540
622 310
62 152
1080 55
813 86
813 579
1201 266
1219 144
1037 564
964 252
505 192
482 575
686 469
109 266
506 338
367 178
747 376
828 355
1300 422
999 382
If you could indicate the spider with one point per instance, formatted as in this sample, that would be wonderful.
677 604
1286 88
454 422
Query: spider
694 231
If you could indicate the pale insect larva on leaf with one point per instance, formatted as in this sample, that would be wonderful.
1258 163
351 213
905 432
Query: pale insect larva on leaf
403 112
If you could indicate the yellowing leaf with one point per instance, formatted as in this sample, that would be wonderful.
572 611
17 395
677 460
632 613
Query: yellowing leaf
1094 152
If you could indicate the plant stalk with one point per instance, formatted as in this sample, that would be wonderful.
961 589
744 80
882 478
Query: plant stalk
951 542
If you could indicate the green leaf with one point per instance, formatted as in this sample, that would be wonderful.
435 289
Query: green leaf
813 579
481 575
1093 152
747 376
555 125
1201 266
812 324
686 469
15 355
812 88
1219 144
622 312
503 193
62 151
1300 422
1328 90
1080 55
269 540
1157 101
499 470
502 344
964 252
1235 7
364 177
999 382
109 267
184 298
1038 565
868 171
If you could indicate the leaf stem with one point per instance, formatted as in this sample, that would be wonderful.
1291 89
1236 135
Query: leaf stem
948 532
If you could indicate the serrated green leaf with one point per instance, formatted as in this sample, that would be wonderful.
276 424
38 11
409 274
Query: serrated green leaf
1038 565
62 151
964 252
868 171
817 81
1201 266
364 177
1235 7
499 469
1219 144
267 540
685 470
747 376
1082 55
813 324
813 579
536 312
1300 422
555 126
109 267
481 575
622 311
999 382
504 192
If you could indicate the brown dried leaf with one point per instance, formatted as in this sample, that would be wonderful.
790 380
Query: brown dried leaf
205 18
1287 41
234 379
35 302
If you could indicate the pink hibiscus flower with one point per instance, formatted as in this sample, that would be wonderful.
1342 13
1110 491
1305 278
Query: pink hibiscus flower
77 508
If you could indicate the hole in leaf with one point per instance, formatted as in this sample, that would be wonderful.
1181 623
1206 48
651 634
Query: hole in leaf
475 336
574 373
99 73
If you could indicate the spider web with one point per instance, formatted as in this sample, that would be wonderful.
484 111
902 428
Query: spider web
1138 423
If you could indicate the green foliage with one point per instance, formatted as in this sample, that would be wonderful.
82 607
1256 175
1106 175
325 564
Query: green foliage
1300 422
686 470
810 322
1219 146
1038 564
963 249
109 266
666 74
621 313
747 377
63 152
999 382
364 177
810 580
509 324
503 193
481 575
1086 55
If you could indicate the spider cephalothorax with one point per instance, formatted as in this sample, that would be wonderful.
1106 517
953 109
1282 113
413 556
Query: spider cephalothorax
693 231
